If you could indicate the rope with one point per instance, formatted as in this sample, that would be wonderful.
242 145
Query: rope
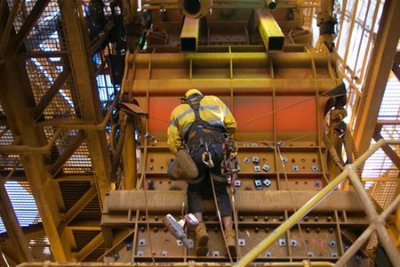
143 180
292 200
219 217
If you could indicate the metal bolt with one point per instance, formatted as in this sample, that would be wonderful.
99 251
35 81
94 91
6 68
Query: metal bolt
257 168
267 182
282 242
268 254
116 256
265 167
295 168
255 159
242 242
332 243
293 242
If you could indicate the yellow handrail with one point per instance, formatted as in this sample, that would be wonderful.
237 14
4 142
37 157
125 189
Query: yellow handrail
306 208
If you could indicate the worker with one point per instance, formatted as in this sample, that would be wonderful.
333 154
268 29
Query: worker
198 127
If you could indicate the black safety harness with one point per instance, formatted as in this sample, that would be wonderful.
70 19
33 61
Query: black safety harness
201 132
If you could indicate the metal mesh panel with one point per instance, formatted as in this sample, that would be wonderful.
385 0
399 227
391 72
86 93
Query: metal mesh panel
9 162
62 105
80 161
65 140
22 11
84 237
390 109
40 248
72 192
384 192
42 73
23 203
6 137
92 211
45 34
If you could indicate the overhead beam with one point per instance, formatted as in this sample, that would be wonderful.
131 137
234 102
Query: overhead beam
377 76
13 228
29 22
270 31
89 102
190 34
90 247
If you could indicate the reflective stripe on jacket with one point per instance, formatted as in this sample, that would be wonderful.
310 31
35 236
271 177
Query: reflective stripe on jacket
212 110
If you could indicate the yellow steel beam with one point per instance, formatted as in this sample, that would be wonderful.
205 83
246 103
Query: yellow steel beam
304 263
83 72
21 122
190 34
378 72
270 31
237 86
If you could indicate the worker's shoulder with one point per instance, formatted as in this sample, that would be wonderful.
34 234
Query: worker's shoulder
179 109
211 98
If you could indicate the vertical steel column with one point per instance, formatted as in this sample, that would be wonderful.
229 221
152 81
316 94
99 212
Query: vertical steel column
13 228
89 102
14 101
377 76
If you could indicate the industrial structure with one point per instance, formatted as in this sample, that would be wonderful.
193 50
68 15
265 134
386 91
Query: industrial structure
86 92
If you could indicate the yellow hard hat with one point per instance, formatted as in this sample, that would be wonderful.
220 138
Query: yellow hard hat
192 91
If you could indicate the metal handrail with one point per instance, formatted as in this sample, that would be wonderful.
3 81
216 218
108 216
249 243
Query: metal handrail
312 203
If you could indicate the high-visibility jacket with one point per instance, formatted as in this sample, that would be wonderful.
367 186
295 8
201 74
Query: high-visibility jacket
212 110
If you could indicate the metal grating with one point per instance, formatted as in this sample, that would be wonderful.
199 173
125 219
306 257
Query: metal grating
23 203
6 137
72 192
42 73
390 109
91 212
45 34
80 162
84 237
96 254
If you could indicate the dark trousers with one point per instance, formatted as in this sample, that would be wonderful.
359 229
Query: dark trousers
201 187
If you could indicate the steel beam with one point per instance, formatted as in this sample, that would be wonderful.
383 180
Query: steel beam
15 104
236 86
377 75
270 31
190 34
12 226
83 73
125 200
